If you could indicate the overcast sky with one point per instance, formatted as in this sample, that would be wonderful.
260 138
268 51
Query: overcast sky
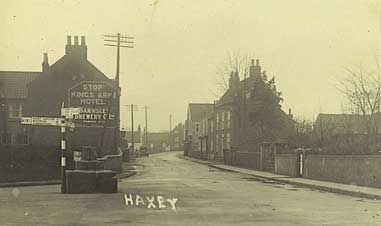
180 44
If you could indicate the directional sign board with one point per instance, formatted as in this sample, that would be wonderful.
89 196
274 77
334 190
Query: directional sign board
70 112
45 121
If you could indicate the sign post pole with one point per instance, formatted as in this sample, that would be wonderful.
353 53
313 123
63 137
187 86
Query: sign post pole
63 154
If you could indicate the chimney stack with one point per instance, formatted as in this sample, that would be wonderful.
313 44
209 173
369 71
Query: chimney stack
75 49
290 113
255 70
45 63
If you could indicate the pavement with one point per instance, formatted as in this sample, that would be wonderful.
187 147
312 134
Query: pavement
204 195
345 189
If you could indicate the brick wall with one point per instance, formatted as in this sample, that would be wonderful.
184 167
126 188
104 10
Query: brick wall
363 170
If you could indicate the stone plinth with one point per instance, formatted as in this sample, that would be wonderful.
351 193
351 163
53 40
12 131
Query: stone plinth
81 181
105 181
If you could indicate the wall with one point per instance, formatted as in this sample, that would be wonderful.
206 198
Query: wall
27 163
243 159
362 170
286 164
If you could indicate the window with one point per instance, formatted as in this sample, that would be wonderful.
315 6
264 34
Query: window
14 138
217 142
211 125
228 140
211 145
6 138
222 121
222 116
217 121
228 120
222 142
15 110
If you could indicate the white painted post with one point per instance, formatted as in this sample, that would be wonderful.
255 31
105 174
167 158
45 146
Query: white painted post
63 154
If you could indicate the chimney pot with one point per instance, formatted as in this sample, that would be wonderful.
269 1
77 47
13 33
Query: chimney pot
290 113
257 62
83 40
45 63
68 40
76 40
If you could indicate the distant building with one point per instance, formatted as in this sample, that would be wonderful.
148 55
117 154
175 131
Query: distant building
194 127
138 139
158 142
348 131
177 138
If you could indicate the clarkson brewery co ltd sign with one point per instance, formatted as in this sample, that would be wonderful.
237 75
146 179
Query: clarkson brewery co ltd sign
96 100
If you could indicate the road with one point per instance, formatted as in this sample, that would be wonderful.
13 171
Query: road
205 196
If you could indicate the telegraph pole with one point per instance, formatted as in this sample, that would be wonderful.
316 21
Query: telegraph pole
170 122
146 126
132 123
170 130
115 41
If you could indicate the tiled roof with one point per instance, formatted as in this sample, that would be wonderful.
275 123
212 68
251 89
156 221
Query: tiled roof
13 84
199 111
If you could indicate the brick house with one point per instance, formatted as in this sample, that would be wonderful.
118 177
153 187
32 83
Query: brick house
13 96
41 94
239 108
232 122
195 128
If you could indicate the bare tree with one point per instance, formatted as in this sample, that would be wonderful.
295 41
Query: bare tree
234 62
362 91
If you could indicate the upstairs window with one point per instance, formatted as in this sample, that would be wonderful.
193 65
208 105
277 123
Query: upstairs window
197 127
15 110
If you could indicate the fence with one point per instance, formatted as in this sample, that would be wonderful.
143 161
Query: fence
286 164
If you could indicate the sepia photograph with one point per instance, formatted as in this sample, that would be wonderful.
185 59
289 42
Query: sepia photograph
185 113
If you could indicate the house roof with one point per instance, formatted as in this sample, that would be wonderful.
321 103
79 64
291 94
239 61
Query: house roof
13 84
343 122
199 111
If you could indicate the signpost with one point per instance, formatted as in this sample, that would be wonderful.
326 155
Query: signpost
66 113
46 121
69 113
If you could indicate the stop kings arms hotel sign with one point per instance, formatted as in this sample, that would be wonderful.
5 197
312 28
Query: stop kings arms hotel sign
96 100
